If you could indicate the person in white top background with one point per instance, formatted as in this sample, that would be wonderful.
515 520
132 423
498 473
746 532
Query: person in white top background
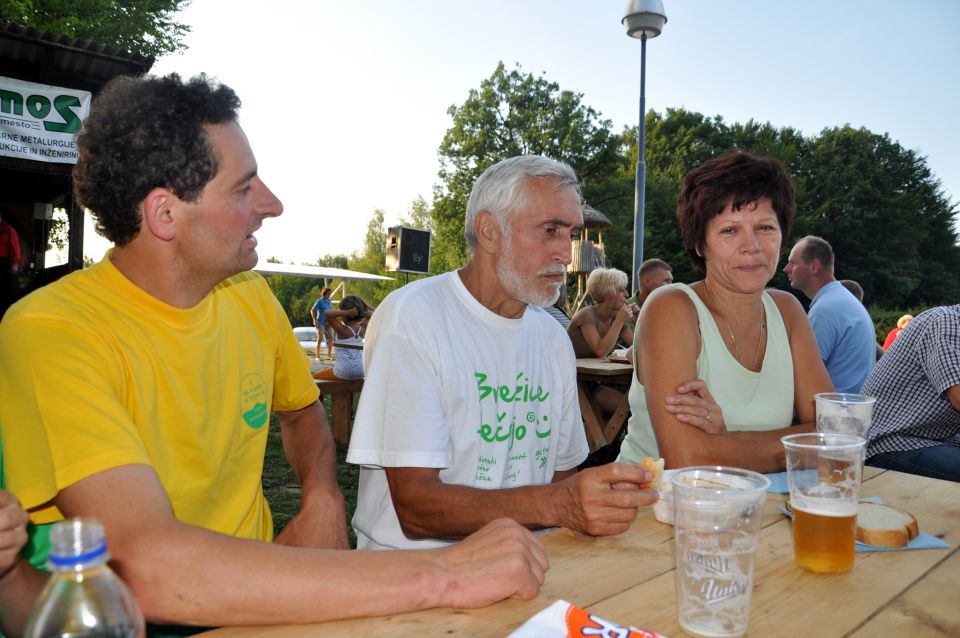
349 323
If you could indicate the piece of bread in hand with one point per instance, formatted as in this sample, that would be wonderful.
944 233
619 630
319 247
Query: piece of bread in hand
884 526
655 466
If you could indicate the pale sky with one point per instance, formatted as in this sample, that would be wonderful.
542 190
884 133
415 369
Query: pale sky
345 102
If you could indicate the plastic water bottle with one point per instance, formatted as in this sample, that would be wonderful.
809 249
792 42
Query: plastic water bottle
83 597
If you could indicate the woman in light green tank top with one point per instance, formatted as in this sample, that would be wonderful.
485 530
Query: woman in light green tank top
724 368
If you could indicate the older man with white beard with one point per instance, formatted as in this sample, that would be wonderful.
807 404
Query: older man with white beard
469 411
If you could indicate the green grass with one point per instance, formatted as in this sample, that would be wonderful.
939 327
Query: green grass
282 490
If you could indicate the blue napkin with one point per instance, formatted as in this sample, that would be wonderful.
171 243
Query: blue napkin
778 483
922 541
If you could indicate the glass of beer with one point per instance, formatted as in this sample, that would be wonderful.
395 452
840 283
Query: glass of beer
717 512
823 474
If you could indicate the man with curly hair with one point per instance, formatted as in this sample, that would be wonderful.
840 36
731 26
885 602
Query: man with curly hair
138 391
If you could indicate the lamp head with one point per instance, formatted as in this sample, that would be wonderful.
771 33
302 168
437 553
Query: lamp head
644 18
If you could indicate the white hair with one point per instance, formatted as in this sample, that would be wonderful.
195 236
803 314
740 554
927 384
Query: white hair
502 189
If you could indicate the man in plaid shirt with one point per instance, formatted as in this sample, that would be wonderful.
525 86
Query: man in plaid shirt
916 424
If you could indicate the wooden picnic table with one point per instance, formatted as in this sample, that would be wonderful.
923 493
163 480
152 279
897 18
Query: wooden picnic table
600 430
629 579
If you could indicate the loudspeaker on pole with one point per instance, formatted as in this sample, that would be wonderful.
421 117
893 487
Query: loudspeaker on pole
408 250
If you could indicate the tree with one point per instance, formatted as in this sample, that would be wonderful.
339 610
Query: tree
146 27
515 113
420 216
677 141
877 203
886 216
334 261
296 295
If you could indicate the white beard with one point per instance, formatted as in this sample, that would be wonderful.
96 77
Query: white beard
522 289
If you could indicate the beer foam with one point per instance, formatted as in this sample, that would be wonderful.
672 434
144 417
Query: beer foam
823 507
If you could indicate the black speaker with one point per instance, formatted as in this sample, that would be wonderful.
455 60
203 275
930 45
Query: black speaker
408 250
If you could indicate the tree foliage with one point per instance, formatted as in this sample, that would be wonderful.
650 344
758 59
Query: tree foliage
296 295
146 27
516 113
892 228
877 203
680 140
419 216
333 261
885 215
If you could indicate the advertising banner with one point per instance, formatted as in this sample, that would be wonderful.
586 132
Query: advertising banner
40 122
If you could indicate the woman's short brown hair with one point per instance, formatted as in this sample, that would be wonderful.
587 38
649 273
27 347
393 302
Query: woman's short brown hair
736 179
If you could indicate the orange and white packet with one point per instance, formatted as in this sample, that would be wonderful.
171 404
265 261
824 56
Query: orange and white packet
564 620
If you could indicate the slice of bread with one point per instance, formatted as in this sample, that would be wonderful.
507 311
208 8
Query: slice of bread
885 526
655 466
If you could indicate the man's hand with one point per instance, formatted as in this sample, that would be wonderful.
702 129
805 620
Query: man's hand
317 526
321 522
694 405
501 560
603 501
13 531
20 583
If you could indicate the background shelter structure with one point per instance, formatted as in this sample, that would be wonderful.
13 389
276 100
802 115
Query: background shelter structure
322 272
38 194
587 254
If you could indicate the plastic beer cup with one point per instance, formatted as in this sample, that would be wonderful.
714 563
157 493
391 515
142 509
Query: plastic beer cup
844 413
717 512
823 473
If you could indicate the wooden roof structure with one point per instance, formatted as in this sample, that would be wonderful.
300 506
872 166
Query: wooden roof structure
592 218
56 60
588 255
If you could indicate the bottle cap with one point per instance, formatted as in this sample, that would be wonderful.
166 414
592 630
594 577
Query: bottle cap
76 541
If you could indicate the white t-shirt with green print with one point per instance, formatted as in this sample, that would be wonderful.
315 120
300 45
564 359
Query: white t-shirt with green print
490 401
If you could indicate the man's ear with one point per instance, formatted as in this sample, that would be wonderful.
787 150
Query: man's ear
815 266
159 215
488 231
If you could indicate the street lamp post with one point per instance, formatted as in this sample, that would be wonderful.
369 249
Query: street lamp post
643 19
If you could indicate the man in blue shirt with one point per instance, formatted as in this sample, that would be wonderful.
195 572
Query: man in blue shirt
320 321
843 328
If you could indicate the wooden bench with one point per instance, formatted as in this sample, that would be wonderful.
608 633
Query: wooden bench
341 405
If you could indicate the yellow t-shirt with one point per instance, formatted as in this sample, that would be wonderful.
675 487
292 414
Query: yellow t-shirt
95 373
